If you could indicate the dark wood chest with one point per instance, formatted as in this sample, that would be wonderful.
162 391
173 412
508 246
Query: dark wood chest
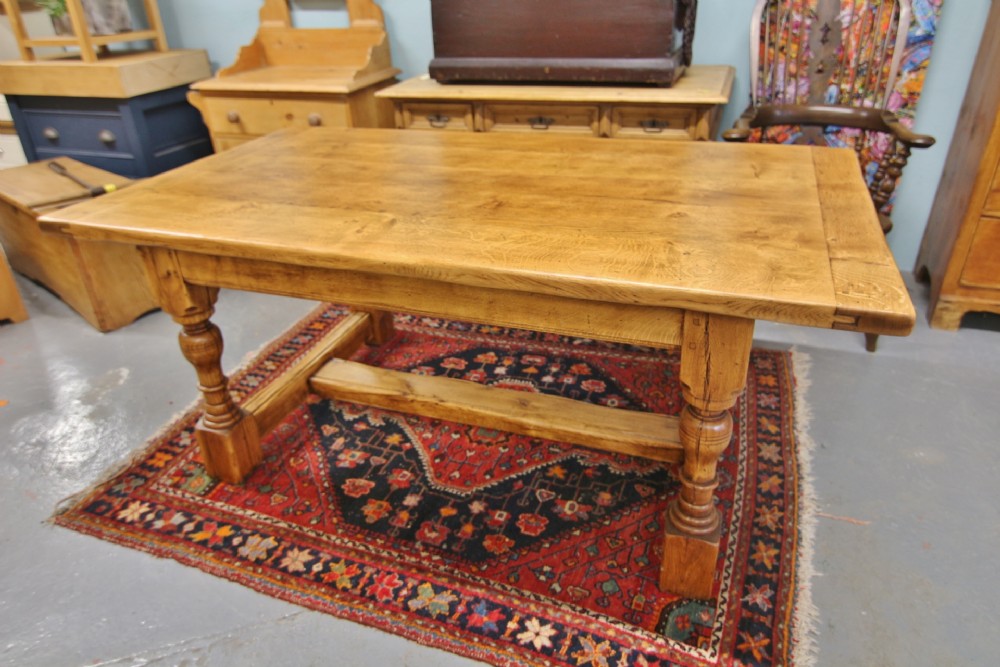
562 41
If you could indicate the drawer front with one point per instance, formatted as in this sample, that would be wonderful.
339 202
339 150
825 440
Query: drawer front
435 116
259 116
96 130
542 118
982 264
653 123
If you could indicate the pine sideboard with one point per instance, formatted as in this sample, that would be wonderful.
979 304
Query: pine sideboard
960 252
690 109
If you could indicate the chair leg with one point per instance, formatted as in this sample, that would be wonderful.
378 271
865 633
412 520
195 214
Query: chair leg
871 342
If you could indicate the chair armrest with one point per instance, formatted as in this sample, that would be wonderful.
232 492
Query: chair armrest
862 118
905 134
742 128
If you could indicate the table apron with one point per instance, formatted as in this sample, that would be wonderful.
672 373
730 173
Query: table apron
626 323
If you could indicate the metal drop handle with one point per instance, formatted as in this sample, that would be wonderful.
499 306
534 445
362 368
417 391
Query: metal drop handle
51 133
654 126
540 122
437 120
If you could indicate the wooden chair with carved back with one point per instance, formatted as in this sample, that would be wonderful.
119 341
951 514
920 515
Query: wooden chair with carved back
825 72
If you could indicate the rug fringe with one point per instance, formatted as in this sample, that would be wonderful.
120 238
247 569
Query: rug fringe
804 634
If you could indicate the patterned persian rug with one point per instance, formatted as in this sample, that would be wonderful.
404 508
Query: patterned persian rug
502 548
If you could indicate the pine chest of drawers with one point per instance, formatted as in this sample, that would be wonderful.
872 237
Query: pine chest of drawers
689 110
960 251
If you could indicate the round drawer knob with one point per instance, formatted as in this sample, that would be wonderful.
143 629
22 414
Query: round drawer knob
233 116
315 120
106 137
51 133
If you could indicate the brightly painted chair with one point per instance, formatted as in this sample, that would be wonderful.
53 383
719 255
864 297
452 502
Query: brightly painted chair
825 72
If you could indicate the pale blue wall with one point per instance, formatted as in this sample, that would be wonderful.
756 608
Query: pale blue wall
222 26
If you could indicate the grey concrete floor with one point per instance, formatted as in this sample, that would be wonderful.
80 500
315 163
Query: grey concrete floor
905 470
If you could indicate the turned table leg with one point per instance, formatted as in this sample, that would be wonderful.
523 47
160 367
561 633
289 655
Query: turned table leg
714 356
229 437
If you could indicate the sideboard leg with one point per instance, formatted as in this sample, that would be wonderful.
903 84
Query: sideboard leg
947 315
229 437
714 356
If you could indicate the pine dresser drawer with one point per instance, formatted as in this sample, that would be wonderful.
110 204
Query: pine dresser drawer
653 123
257 116
578 119
437 116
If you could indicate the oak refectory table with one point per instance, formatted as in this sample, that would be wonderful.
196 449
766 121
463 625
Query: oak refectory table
656 244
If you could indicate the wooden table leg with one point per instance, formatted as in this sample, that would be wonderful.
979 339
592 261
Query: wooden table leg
229 437
714 356
382 327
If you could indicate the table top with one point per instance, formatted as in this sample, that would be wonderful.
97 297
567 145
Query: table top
700 84
782 233
295 79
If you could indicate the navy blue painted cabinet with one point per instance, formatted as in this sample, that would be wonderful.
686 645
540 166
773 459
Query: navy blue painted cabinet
135 137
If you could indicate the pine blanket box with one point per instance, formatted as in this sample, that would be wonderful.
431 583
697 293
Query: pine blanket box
104 282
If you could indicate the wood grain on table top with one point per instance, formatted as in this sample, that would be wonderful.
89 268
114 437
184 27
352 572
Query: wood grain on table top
737 229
